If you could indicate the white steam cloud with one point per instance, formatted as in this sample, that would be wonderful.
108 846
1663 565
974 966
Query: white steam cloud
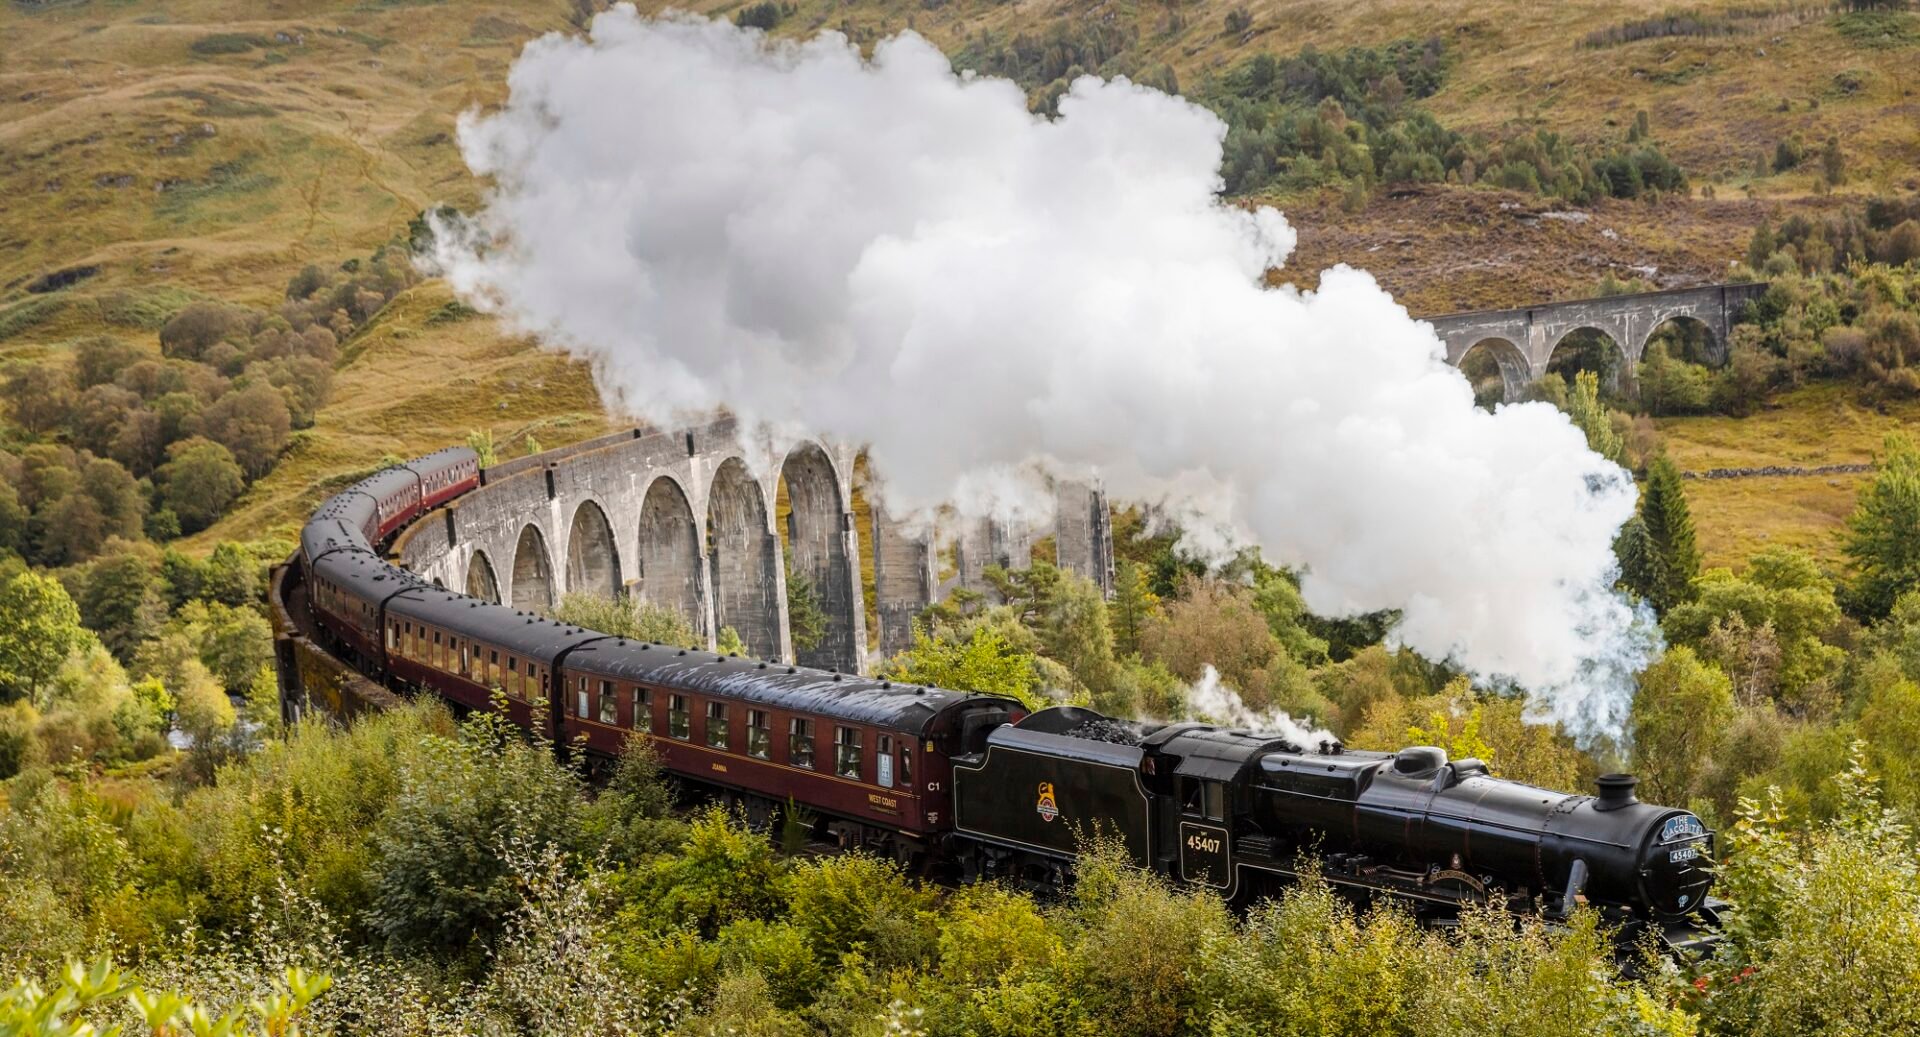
881 251
1212 701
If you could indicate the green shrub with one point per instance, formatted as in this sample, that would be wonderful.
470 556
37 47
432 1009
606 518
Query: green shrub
463 805
857 903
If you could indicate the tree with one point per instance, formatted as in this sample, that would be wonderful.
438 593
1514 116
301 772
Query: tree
201 707
1276 593
1751 371
39 628
1639 559
983 661
1591 417
231 576
194 330
233 643
123 505
99 359
1883 533
122 597
15 531
1833 162
39 396
1132 606
263 699
1679 715
1761 246
480 441
139 442
1069 614
806 620
68 530
198 481
253 423
100 416
303 383
1669 525
1785 592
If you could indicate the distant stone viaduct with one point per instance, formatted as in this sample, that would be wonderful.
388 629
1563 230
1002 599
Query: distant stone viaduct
688 520
685 519
1522 340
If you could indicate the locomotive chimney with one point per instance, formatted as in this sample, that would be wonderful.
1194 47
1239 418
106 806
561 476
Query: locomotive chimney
1616 791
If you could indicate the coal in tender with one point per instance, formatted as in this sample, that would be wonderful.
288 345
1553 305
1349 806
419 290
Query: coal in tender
1106 729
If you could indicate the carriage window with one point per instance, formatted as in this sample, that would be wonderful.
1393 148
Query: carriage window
679 725
717 724
883 762
393 636
642 710
846 752
759 735
580 699
800 743
906 765
609 706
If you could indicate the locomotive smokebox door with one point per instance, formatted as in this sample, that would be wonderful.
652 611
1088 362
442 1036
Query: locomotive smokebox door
1204 850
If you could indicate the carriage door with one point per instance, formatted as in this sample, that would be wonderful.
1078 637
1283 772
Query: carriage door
1203 833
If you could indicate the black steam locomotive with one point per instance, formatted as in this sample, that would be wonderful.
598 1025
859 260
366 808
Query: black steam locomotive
974 786
1238 811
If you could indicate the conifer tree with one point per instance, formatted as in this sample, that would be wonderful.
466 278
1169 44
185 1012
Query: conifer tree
1669 525
1639 560
1883 539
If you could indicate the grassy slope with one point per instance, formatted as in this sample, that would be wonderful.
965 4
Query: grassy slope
180 172
221 175
1816 425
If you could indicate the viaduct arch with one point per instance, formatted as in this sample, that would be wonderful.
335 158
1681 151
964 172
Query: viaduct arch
688 518
1523 340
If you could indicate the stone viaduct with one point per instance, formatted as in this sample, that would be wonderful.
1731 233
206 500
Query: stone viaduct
688 519
1522 340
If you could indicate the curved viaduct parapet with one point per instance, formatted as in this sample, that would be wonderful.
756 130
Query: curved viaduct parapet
1629 320
683 518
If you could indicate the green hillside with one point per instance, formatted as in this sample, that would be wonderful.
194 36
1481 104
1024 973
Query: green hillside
156 153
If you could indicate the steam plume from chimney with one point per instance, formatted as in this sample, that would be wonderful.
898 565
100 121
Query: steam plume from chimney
881 251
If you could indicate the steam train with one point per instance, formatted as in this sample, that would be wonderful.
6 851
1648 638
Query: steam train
974 786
